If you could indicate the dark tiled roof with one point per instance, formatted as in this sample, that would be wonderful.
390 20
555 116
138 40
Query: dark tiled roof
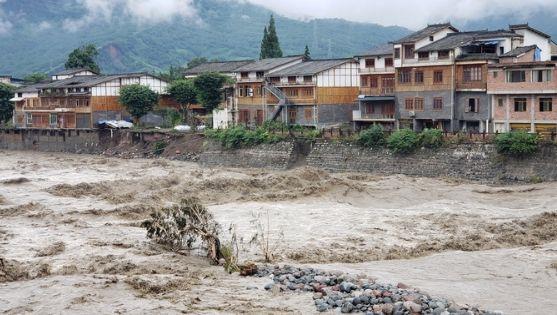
74 71
381 50
519 51
267 64
91 80
311 67
527 27
454 40
217 66
533 64
33 88
423 33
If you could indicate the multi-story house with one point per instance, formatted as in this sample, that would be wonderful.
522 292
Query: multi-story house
227 111
250 95
8 79
423 89
523 90
464 99
316 93
79 101
376 100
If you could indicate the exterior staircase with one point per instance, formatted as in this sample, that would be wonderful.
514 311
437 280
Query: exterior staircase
283 101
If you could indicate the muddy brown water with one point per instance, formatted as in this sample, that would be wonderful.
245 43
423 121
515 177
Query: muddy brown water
70 240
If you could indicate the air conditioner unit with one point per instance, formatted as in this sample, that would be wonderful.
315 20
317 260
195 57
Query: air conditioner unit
412 113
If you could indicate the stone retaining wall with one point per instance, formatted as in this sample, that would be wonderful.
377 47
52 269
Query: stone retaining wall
478 162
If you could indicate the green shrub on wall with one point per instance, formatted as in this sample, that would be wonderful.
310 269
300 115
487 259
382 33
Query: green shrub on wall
431 138
403 141
372 137
517 143
239 136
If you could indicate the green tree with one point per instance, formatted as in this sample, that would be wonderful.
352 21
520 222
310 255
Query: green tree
196 62
83 57
138 100
6 107
264 45
172 74
270 46
274 45
307 54
209 89
36 77
185 93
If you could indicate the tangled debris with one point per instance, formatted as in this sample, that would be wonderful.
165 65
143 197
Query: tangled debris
352 294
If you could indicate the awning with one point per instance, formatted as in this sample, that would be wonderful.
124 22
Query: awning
17 99
376 98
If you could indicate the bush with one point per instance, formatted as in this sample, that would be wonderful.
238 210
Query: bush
431 138
237 137
517 143
403 141
181 225
159 147
372 137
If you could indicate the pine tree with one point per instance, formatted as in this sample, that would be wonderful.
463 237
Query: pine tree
264 45
274 45
307 54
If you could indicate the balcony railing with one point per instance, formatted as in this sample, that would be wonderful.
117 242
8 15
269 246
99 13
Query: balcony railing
377 70
427 60
383 91
358 115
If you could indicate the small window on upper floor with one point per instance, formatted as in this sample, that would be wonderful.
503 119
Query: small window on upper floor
292 79
19 94
308 79
370 63
275 79
443 54
423 55
259 74
501 50
541 76
516 76
397 53
431 38
388 62
244 75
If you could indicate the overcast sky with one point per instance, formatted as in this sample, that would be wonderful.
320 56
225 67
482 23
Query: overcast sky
408 13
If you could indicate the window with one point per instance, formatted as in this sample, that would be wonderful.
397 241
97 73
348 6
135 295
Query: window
438 77
419 77
472 73
19 94
388 62
501 50
541 76
241 91
292 79
516 76
438 103
397 53
292 116
405 76
364 81
495 74
308 79
308 114
53 119
244 75
409 104
519 104
244 116
473 105
370 63
307 91
419 104
259 74
431 38
258 91
373 82
275 79
423 55
500 102
292 92
443 54
408 51
29 117
546 104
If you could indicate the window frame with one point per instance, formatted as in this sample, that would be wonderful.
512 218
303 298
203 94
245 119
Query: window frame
419 74
436 77
541 104
520 101
419 104
436 102
369 62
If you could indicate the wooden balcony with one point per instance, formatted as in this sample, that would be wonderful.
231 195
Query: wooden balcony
377 70
358 115
382 91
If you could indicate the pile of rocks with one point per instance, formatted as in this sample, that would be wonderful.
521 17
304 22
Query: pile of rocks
333 290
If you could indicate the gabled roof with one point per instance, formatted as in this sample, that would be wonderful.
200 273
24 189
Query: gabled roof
91 80
268 64
381 50
477 57
431 29
217 66
519 51
74 71
311 67
527 27
455 40
32 88
530 64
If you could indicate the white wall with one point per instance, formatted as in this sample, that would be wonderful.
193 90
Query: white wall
112 88
532 38
345 75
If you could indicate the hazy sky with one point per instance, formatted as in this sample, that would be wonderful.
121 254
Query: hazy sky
411 14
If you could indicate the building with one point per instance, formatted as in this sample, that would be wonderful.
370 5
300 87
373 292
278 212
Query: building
78 101
8 79
250 94
70 73
227 112
423 87
376 100
313 93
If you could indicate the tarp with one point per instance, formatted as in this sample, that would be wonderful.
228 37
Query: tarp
116 124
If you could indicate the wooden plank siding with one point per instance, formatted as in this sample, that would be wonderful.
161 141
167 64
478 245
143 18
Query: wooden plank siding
337 95
428 84
461 84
